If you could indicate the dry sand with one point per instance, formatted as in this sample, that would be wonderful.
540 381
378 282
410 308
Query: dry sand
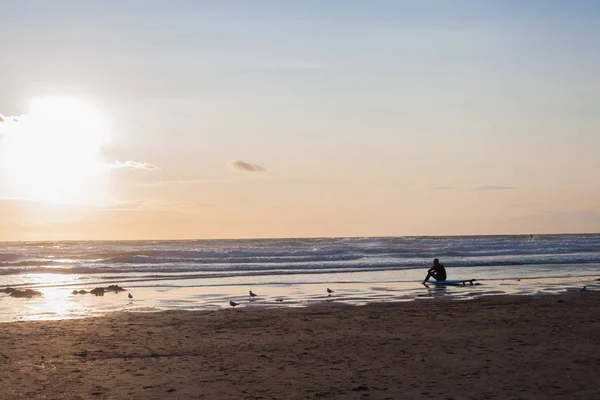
496 348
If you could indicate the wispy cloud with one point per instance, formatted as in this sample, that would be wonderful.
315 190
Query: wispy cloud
9 118
444 188
138 205
181 182
133 165
155 206
492 187
46 202
7 127
17 199
103 205
241 165
569 221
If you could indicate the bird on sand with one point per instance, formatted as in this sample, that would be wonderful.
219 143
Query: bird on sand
329 291
233 303
130 296
252 294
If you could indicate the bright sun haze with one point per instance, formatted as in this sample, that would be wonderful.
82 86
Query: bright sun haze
53 151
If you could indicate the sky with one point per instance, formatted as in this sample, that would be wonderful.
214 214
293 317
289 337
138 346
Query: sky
235 119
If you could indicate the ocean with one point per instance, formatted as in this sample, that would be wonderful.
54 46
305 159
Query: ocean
207 274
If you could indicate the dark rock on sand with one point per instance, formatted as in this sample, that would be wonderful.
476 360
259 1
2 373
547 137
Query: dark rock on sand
27 293
99 291
114 288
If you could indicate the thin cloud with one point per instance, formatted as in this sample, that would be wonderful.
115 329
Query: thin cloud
181 182
133 165
139 205
59 202
190 208
491 187
9 118
570 221
19 199
241 165
444 188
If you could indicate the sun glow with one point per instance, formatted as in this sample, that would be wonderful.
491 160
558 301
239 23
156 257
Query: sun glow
52 154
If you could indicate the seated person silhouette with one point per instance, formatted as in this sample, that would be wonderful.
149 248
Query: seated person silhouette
437 272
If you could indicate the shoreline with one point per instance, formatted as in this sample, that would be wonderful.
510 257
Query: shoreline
60 303
494 347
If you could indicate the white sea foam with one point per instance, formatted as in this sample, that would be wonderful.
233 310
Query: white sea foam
517 254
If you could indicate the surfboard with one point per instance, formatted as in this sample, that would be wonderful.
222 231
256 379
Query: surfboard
453 282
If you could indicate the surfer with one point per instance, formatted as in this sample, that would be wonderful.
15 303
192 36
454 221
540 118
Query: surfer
437 272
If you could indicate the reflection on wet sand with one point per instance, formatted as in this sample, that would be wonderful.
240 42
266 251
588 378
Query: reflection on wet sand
61 303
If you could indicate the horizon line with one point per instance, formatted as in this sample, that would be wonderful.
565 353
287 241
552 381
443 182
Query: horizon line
299 237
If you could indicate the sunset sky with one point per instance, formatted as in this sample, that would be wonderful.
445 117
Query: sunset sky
228 119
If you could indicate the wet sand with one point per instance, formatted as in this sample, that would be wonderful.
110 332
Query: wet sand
496 347
58 302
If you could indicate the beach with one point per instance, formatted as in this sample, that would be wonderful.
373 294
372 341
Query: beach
495 347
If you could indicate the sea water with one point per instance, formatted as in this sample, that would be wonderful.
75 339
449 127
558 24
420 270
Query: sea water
207 274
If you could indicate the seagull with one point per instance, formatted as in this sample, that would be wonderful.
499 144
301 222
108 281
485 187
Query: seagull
279 300
583 289
252 294
130 296
329 291
233 303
